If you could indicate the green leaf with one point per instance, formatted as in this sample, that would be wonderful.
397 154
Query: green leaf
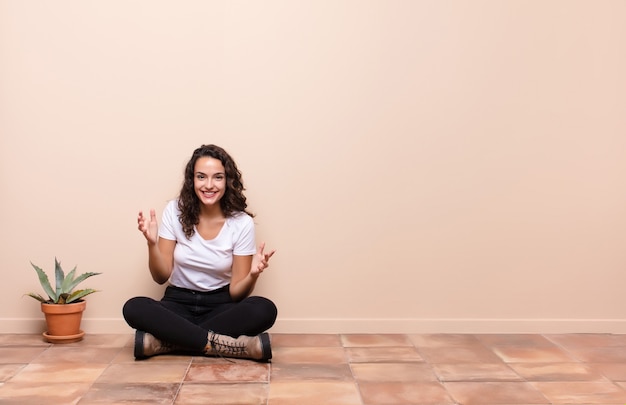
45 283
78 294
80 279
38 297
66 287
59 275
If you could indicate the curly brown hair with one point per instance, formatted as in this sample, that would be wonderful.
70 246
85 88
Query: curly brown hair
233 200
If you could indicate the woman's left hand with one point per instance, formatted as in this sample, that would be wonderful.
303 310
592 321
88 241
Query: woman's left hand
260 261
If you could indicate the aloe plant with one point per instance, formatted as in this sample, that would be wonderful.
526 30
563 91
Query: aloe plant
64 292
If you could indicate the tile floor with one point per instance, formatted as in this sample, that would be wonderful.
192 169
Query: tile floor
348 369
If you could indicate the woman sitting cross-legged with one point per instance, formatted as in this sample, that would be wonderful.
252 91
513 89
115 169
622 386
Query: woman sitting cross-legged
205 250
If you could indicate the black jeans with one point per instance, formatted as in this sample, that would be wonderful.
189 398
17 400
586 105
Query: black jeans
184 317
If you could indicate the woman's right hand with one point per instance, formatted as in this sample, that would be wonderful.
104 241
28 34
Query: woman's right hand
149 227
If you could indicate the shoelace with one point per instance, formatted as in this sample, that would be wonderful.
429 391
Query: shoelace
221 347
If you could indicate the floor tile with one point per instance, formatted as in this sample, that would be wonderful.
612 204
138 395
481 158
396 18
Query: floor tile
612 371
314 393
399 393
382 354
85 354
614 354
556 372
126 355
588 340
223 394
228 372
294 372
20 354
373 340
19 339
582 392
519 340
475 372
444 340
37 393
9 370
124 393
311 355
458 354
104 340
399 372
488 393
144 372
209 359
59 373
305 340
516 354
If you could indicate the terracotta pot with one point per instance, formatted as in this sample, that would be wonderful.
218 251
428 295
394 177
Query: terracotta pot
63 321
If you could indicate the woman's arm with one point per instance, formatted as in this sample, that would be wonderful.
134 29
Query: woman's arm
161 259
160 251
246 271
242 282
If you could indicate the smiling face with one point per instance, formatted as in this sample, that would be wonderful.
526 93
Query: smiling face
209 181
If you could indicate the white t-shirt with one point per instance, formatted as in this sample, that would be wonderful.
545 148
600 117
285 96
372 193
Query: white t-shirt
205 265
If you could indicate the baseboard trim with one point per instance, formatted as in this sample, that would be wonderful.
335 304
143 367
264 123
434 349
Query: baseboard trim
408 325
450 325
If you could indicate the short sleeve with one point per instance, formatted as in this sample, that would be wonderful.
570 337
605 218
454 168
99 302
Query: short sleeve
168 221
245 243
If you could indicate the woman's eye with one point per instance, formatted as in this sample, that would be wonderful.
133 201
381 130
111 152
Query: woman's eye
200 177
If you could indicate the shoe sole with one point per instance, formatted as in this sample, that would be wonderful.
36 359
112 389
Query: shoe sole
138 351
266 346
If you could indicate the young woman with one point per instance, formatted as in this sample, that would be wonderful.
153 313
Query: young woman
205 250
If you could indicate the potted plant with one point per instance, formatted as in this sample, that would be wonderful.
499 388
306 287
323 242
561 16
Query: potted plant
64 306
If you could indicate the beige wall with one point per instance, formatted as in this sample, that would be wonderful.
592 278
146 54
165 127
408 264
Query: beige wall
421 166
